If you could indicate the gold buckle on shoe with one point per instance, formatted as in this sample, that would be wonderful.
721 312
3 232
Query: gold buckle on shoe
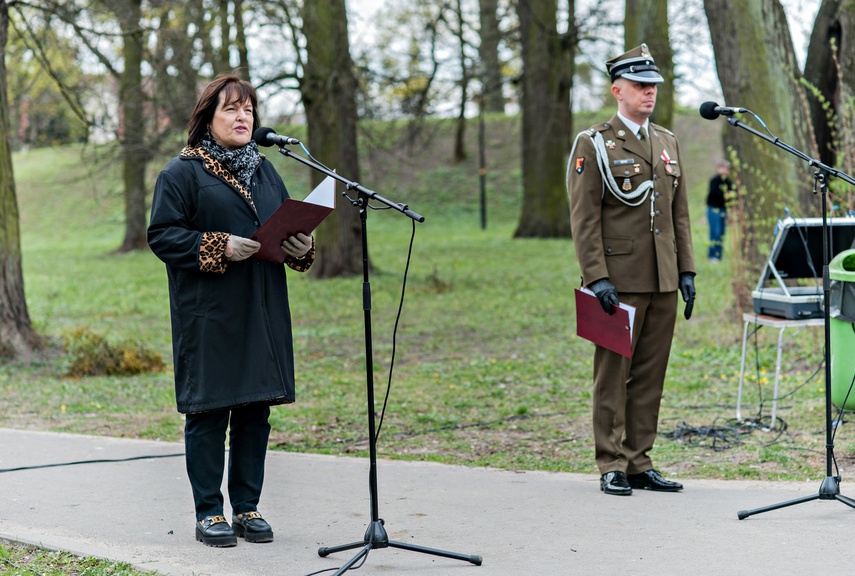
249 516
211 520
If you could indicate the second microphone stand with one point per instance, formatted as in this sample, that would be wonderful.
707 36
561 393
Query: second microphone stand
830 487
375 535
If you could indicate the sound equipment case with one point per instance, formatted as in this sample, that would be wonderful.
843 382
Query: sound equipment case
791 283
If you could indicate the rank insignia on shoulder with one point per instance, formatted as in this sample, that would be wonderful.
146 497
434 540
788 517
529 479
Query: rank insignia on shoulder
580 164
610 144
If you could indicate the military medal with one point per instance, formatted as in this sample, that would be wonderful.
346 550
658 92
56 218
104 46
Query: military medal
668 169
637 168
627 185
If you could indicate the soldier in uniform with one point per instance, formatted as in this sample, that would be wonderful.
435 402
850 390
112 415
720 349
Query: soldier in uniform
629 213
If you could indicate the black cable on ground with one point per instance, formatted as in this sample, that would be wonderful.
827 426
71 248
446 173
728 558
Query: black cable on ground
100 461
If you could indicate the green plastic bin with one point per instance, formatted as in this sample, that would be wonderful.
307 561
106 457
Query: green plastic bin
841 271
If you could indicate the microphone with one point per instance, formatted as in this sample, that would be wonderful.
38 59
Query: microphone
711 110
267 137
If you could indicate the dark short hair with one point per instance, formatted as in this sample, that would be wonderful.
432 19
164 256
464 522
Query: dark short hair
231 87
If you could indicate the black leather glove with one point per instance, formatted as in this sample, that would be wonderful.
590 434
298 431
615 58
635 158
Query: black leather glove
606 293
687 289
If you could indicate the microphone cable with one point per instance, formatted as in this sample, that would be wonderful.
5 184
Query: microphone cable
98 461
400 302
395 329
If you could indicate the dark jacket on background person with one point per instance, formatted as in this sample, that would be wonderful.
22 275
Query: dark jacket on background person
719 186
231 323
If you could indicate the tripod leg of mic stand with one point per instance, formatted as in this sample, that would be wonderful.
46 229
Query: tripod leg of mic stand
743 514
347 565
848 501
325 551
476 560
829 490
375 537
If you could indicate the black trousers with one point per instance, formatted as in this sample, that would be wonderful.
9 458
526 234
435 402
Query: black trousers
204 444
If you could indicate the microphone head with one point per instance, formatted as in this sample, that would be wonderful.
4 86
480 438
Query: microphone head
708 110
261 136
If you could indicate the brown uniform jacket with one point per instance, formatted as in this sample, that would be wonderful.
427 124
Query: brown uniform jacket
636 250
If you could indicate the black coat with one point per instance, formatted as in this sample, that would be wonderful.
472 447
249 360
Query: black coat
231 324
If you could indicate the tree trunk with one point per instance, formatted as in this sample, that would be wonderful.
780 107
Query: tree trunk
223 60
134 152
491 72
845 102
175 94
328 91
821 73
460 130
546 128
829 70
18 340
757 69
647 22
240 40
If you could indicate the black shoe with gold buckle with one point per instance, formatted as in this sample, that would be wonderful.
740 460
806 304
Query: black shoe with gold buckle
252 526
215 531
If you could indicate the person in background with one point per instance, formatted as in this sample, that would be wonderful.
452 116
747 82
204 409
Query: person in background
629 214
231 323
721 188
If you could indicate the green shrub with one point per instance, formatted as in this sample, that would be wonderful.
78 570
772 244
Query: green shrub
90 354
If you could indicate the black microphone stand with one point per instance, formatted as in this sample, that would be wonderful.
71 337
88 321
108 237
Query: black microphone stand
830 487
375 534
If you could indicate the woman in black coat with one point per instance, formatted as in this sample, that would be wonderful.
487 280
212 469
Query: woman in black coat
231 325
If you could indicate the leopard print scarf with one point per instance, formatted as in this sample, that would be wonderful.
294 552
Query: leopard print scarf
241 162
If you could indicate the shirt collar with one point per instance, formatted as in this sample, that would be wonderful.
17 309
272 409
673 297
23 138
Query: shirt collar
633 127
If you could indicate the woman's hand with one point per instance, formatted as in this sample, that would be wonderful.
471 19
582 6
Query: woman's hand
297 246
239 248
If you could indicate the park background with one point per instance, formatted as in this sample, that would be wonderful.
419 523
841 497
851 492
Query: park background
488 370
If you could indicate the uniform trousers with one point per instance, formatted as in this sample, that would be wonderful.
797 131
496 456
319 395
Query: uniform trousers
204 444
627 391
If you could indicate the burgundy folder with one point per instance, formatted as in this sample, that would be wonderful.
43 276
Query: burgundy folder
294 216
613 332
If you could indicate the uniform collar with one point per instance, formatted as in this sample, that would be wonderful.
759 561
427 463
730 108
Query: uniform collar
631 143
633 127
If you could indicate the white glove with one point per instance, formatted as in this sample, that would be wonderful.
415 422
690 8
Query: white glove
297 246
240 248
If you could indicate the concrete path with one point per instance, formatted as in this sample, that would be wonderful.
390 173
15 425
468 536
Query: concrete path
521 523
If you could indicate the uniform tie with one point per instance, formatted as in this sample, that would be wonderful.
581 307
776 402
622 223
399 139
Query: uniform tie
642 135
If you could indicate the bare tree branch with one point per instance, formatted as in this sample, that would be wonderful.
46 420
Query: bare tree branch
69 95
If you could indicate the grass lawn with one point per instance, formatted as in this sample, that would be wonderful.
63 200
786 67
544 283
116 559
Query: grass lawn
488 369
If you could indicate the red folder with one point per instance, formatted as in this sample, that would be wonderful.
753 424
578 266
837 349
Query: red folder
613 332
294 216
